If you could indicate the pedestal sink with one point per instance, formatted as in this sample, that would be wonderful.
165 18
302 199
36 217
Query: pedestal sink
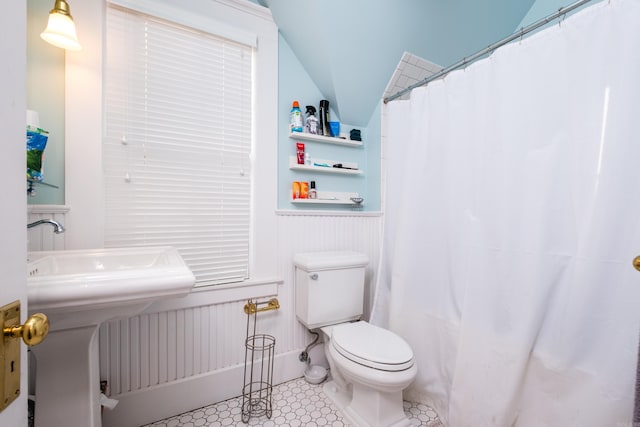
78 290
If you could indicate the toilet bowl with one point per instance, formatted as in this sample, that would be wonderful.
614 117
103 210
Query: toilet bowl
370 367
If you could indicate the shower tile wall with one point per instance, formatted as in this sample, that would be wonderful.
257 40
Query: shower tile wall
410 70
152 349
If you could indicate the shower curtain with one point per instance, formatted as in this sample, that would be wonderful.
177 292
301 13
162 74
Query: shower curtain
512 216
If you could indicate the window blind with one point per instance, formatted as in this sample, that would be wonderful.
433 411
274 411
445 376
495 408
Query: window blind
176 152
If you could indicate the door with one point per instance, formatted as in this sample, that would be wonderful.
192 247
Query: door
13 209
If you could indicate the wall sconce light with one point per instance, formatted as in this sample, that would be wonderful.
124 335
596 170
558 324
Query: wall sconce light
61 31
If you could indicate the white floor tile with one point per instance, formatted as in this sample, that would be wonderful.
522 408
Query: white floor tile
295 403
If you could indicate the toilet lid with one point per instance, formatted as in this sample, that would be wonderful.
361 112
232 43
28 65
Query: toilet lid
372 346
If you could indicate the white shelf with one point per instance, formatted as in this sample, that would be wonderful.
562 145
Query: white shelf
330 198
324 139
323 202
293 165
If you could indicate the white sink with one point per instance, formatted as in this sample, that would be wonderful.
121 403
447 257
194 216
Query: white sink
78 290
77 287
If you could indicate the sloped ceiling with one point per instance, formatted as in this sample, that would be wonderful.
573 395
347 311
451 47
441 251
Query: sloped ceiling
350 48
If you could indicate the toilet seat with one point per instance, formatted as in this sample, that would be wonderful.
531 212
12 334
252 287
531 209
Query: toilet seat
372 346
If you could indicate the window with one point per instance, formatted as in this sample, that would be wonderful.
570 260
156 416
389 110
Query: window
177 143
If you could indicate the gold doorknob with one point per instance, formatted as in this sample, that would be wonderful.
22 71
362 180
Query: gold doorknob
636 262
34 330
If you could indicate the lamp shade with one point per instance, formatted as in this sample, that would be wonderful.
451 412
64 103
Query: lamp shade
61 31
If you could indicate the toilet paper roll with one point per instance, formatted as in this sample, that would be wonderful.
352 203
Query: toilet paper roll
107 402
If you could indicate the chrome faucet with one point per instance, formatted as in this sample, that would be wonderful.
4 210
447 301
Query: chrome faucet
58 227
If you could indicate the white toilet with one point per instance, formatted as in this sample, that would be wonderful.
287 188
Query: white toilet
370 366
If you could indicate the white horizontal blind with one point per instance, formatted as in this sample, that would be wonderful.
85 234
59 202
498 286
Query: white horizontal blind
177 145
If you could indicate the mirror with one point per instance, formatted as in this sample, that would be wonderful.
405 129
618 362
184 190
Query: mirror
45 94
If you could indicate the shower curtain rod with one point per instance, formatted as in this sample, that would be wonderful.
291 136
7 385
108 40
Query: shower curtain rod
467 60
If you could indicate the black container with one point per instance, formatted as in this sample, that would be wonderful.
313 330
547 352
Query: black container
324 118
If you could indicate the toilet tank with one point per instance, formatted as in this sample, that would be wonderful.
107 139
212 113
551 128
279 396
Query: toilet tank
329 287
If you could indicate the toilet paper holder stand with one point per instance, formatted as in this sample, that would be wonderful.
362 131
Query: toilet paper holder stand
258 363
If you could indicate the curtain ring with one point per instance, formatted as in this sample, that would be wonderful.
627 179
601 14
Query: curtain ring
521 34
561 16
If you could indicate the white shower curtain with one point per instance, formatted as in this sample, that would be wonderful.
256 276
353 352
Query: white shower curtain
512 216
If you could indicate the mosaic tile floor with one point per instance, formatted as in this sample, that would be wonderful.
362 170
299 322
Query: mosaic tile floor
295 403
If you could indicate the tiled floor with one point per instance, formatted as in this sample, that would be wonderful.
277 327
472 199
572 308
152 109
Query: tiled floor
295 403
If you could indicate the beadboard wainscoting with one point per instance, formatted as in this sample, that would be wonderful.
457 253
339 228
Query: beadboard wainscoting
42 237
190 353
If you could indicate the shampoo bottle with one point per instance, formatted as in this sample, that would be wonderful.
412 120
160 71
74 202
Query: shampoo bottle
296 118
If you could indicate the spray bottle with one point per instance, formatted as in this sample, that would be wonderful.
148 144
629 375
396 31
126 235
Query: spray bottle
311 126
295 124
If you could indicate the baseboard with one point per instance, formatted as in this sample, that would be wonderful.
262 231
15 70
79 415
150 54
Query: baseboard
142 407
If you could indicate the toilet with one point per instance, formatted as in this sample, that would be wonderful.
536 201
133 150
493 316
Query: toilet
370 366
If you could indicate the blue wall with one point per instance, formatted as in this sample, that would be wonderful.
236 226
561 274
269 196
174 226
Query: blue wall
543 8
295 84
348 58
374 155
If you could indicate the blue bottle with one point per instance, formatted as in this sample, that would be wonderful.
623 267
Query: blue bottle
295 123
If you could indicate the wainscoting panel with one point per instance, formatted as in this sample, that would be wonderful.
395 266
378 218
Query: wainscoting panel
42 237
330 233
156 348
205 344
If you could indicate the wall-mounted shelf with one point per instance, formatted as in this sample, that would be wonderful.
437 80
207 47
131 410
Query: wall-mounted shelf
330 198
324 139
334 201
323 202
293 165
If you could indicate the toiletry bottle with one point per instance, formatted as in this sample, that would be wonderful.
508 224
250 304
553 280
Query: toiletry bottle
300 153
324 118
313 194
296 118
295 191
311 125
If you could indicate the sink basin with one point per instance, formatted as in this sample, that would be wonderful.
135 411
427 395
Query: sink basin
108 283
78 290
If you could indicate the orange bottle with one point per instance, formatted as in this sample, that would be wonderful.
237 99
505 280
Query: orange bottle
296 190
304 190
